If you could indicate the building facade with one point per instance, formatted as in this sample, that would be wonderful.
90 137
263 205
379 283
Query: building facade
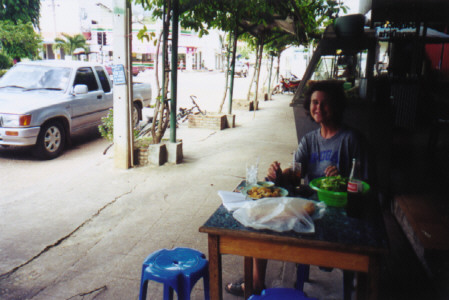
94 19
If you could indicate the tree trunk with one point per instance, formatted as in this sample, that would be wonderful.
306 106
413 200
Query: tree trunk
156 65
266 78
274 78
278 67
161 117
227 69
248 96
258 74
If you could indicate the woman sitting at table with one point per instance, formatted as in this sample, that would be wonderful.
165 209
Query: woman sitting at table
326 151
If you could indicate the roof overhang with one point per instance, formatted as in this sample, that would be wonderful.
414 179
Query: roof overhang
432 11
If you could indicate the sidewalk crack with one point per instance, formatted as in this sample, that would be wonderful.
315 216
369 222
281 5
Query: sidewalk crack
211 134
99 290
58 242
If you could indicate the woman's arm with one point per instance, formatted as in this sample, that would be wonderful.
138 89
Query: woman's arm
275 172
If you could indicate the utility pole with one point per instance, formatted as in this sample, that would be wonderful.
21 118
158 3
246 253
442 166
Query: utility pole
123 138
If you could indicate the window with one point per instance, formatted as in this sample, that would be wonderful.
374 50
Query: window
103 79
86 76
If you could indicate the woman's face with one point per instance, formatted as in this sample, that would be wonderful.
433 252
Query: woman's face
320 109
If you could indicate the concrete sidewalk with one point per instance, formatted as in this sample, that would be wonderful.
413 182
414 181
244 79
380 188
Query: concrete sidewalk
84 233
147 208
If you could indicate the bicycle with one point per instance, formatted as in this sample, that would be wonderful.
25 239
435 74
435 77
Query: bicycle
184 113
182 116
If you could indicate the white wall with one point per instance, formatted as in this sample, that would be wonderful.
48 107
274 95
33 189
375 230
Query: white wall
294 61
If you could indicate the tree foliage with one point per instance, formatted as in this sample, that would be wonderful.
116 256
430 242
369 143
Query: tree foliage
304 20
70 43
20 10
270 23
19 40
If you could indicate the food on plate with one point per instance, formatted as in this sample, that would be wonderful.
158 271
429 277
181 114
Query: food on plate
334 184
309 208
258 192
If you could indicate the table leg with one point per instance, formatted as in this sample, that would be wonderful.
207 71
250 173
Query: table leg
367 283
215 277
373 278
361 289
248 270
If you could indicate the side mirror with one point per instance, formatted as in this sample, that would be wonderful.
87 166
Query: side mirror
80 89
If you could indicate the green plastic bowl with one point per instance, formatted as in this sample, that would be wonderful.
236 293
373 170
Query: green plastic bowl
337 199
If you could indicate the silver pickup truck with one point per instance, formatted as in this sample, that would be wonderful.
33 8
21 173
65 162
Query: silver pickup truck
42 103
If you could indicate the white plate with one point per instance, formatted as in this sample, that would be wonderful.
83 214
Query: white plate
283 192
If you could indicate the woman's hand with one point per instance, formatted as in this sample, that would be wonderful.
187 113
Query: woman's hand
274 172
331 171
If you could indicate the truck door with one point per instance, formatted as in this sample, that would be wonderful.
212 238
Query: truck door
106 87
87 109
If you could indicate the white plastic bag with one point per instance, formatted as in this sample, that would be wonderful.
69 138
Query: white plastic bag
279 214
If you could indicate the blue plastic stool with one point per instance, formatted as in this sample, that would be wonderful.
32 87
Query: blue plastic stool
281 293
302 275
178 269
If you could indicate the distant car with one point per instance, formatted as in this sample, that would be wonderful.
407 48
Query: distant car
241 69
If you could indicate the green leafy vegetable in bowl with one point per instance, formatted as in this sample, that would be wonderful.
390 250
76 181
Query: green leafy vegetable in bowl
334 184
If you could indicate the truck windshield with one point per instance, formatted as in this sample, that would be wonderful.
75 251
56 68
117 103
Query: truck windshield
36 77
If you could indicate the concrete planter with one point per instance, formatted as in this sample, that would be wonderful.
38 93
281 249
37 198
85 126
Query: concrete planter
141 156
157 154
243 104
230 121
174 152
209 120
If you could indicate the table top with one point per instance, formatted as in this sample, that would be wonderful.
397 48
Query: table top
334 230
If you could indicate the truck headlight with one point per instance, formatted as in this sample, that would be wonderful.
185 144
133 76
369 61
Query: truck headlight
11 120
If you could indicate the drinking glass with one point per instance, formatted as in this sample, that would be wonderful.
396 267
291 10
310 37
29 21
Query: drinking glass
251 174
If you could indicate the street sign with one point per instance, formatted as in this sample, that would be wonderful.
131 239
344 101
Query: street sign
118 74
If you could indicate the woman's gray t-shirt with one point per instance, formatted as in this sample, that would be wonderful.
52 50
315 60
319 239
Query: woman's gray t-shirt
316 153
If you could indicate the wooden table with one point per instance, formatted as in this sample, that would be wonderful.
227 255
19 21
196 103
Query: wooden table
338 242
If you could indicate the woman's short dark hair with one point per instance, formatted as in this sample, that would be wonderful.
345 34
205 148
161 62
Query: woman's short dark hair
336 94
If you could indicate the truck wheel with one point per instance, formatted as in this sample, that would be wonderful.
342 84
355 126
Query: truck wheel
51 140
136 114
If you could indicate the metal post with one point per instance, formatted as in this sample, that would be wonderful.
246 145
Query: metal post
174 70
122 102
231 87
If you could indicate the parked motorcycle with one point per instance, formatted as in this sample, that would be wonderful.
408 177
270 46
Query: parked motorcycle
288 85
